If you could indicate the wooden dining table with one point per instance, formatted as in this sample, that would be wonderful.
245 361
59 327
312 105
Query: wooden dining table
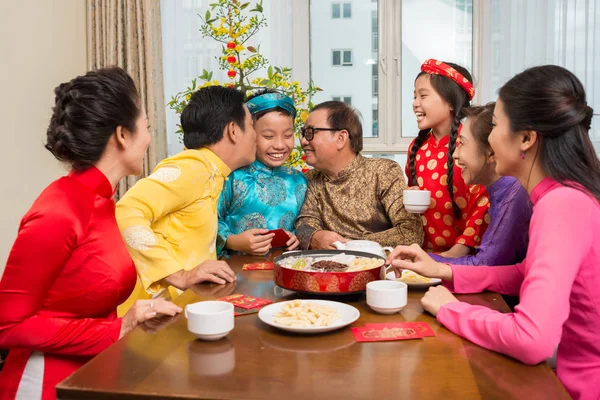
163 360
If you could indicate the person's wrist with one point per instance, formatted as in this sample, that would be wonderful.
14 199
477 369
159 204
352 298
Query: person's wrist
445 271
231 242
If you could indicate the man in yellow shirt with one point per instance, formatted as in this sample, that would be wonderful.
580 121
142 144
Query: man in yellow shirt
169 219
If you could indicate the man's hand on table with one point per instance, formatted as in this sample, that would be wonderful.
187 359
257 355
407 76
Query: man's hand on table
209 271
323 240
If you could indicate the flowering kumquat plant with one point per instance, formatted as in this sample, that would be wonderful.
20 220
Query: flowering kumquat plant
231 23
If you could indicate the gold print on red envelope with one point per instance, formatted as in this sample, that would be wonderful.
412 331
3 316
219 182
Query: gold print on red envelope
261 266
247 302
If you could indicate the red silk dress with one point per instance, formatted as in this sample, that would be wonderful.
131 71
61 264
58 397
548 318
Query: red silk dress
66 273
442 229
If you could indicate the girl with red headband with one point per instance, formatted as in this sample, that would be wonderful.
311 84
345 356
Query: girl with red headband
457 215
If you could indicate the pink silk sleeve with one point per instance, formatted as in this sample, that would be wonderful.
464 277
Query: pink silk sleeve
559 244
475 279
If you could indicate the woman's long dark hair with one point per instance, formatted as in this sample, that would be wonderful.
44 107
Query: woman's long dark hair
551 101
458 100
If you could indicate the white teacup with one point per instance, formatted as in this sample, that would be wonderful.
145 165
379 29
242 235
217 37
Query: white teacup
210 320
366 246
416 201
386 297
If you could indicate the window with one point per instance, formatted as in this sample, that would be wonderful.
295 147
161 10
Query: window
375 80
186 53
342 58
452 25
383 68
335 11
345 99
347 10
374 32
341 10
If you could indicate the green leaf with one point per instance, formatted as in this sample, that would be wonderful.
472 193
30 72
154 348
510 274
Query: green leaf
251 49
210 75
207 15
243 6
270 72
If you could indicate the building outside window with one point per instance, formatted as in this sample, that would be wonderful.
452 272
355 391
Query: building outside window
342 58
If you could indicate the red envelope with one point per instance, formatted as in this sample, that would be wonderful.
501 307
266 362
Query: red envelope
261 266
368 334
421 327
246 302
280 239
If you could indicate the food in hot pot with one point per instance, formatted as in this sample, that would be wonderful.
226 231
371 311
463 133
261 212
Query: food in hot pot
338 263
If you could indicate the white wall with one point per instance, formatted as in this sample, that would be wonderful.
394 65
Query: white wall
42 43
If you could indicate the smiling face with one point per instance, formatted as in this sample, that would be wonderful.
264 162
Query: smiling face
322 149
431 110
471 158
505 144
275 138
138 143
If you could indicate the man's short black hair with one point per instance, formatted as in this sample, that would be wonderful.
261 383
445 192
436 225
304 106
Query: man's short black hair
208 112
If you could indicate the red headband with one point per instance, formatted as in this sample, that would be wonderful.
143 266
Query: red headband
436 67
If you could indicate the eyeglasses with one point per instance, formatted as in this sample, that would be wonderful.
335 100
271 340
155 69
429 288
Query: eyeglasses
308 132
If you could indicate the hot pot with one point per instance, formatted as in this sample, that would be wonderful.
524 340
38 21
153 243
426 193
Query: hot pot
333 282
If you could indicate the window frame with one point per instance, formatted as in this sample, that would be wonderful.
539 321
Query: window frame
339 10
342 54
389 122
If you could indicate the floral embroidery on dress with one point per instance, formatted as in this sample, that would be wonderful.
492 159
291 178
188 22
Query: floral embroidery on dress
251 221
166 174
140 238
271 190
300 192
287 221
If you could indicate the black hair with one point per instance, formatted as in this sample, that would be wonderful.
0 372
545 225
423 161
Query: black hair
208 112
551 101
87 111
259 115
458 99
342 116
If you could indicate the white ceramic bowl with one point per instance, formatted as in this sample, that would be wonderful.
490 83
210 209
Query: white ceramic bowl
210 320
386 297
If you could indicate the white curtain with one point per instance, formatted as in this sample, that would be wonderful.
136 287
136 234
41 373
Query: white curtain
518 34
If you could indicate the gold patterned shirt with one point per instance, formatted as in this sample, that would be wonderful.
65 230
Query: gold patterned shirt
363 202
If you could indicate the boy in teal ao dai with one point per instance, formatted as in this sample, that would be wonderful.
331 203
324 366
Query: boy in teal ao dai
264 195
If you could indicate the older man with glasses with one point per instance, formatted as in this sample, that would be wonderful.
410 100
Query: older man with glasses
350 196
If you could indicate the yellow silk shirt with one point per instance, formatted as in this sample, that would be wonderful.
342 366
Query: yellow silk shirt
169 219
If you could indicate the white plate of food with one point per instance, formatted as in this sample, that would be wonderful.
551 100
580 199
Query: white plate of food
308 316
414 280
